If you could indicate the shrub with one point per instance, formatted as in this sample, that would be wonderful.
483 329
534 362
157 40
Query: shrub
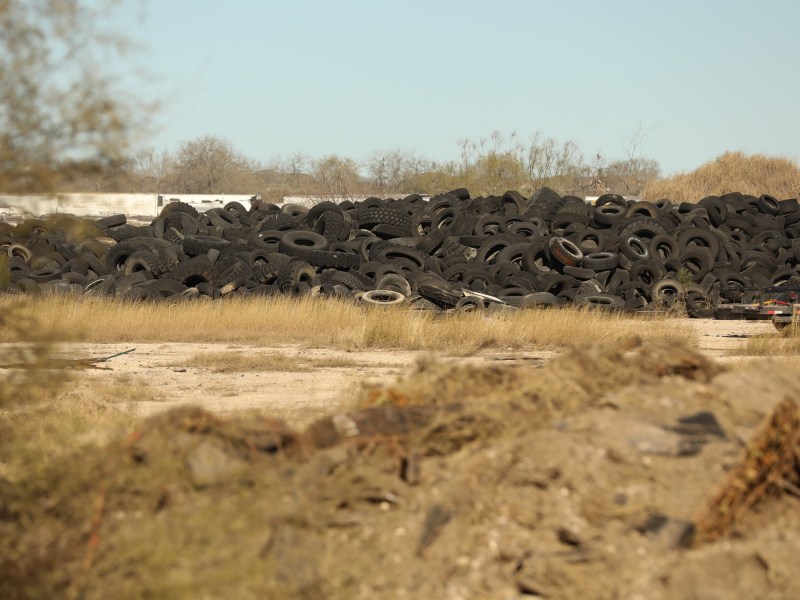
754 174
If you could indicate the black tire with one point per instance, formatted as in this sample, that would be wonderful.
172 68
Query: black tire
181 221
698 305
600 261
113 220
642 227
143 260
269 240
702 238
643 208
237 273
221 218
402 254
607 214
537 299
332 226
449 220
197 245
698 261
470 304
119 254
513 254
439 295
124 232
316 211
237 208
164 287
45 274
397 283
537 258
171 207
590 240
634 248
781 323
352 281
302 243
601 300
581 273
334 260
664 247
513 203
666 292
264 273
296 271
491 249
545 202
768 205
101 286
193 271
17 268
647 271
371 217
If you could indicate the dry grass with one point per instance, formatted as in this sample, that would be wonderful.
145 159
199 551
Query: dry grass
340 324
783 343
86 412
240 362
732 172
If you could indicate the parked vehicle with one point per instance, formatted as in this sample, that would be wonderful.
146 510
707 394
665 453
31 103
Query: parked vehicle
774 303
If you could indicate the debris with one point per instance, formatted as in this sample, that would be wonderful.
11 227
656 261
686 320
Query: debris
68 363
769 459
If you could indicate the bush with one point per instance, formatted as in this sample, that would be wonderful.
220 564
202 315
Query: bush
754 174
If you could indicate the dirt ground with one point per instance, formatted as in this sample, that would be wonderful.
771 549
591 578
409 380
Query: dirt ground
630 471
301 395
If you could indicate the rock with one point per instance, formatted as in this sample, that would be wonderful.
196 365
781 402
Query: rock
666 532
208 463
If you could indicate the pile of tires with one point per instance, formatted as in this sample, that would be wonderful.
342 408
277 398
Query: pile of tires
450 252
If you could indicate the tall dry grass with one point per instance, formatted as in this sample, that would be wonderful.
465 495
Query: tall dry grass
754 174
339 324
780 343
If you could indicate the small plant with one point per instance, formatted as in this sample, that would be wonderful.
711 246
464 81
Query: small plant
684 276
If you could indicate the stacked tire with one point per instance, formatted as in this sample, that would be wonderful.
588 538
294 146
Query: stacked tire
450 252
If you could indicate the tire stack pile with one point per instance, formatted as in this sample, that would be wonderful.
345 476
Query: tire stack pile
450 252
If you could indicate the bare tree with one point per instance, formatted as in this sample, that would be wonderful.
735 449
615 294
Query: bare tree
210 165
394 171
629 176
550 162
151 168
336 177
56 98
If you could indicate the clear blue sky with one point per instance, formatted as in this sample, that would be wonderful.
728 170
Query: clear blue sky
350 77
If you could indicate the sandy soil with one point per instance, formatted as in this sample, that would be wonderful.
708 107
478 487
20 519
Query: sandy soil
607 471
299 396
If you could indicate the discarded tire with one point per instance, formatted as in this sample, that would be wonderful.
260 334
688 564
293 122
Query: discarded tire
515 250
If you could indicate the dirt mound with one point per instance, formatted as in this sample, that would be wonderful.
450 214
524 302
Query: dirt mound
580 479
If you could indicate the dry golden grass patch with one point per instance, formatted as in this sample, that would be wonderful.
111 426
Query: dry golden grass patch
341 324
754 174
780 343
241 362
